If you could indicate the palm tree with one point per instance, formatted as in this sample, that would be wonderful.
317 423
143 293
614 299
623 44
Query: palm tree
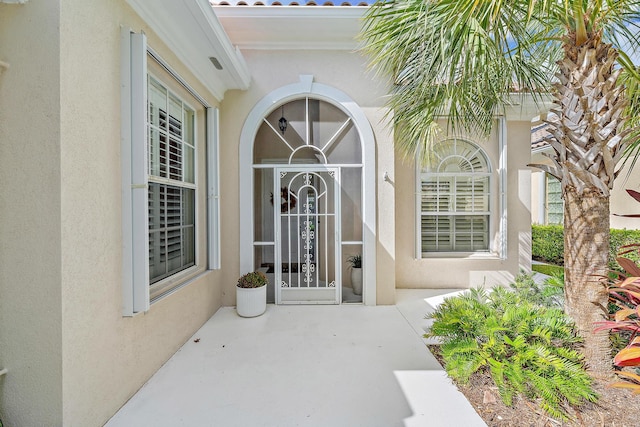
464 60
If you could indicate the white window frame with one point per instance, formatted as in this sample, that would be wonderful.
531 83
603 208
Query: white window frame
161 285
421 173
547 179
136 292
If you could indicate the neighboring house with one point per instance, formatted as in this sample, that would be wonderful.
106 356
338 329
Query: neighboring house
547 206
153 150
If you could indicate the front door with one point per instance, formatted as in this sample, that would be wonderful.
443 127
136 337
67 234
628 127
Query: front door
307 224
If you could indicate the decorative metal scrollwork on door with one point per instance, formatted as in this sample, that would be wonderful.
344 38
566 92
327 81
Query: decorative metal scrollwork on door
305 256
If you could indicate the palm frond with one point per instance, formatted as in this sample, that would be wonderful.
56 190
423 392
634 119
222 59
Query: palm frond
456 59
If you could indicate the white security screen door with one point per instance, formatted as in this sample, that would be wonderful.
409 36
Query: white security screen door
307 204
307 224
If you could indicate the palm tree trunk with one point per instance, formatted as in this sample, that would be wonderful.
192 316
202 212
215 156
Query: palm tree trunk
586 242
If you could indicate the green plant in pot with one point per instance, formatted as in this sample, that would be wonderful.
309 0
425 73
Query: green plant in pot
251 294
355 262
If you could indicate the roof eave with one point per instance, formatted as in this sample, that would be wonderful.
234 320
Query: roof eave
526 107
292 27
192 31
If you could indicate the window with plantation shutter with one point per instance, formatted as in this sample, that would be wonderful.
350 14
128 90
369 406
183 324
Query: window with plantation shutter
171 194
164 201
454 199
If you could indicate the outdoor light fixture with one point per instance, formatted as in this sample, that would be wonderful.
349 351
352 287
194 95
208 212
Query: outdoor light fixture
282 123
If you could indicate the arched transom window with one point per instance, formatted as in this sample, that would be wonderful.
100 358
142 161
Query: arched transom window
454 199
307 131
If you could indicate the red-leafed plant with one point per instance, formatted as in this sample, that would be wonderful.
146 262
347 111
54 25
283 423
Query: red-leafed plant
624 294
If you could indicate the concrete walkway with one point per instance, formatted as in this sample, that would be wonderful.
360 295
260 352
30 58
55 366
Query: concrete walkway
328 366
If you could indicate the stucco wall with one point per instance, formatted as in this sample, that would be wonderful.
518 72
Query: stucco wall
73 359
537 184
385 206
621 202
30 214
107 357
476 270
343 70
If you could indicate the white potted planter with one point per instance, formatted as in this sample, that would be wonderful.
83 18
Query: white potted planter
356 273
251 294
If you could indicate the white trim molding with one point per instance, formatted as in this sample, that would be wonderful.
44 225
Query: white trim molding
292 28
213 187
502 171
135 240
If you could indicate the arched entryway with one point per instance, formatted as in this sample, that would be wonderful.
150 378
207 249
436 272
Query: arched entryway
307 198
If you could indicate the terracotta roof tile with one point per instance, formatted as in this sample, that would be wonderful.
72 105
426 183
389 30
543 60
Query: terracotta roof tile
290 3
540 133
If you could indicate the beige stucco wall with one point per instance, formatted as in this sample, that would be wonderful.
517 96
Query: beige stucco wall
621 202
343 70
476 270
73 359
385 206
30 215
537 214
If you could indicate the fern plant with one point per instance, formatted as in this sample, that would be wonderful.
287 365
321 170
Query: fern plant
550 293
528 349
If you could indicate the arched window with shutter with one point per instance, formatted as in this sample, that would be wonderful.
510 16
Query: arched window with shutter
454 199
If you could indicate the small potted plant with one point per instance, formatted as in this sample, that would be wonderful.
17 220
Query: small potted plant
356 273
251 294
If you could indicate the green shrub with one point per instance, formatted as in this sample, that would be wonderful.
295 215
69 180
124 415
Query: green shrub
547 244
528 349
620 238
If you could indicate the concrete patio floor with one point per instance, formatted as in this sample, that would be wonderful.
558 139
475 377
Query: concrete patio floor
347 365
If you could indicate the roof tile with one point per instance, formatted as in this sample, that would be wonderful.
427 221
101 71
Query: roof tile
291 3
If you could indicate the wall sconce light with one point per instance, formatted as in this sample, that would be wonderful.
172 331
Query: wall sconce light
282 123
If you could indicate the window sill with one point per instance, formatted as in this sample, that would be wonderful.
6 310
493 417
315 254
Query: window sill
461 255
168 286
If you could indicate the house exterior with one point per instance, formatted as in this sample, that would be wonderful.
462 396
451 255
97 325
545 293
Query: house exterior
144 145
546 195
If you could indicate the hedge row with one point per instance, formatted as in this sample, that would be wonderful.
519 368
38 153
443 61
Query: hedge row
548 244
